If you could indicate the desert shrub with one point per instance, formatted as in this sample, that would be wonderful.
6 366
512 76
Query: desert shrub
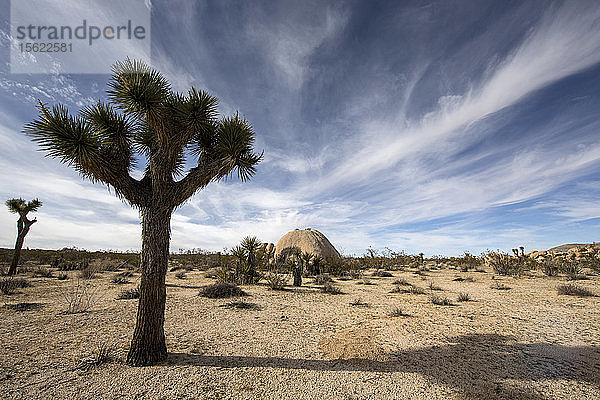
574 290
505 264
102 354
70 265
397 312
416 290
24 306
330 288
464 297
322 279
42 272
461 279
180 275
10 285
550 267
80 297
467 262
433 287
440 301
577 277
402 282
129 294
382 273
62 277
411 289
88 272
275 280
241 305
359 303
591 261
499 286
221 290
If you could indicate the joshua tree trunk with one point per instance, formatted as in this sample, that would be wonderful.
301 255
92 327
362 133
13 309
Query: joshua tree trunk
148 343
23 226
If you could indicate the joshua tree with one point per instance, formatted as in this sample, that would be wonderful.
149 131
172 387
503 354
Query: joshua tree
306 259
297 264
145 120
19 206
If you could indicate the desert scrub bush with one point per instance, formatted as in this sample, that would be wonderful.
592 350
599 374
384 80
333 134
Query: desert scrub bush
330 288
505 264
180 275
129 294
322 279
221 290
358 303
574 290
88 272
10 285
433 287
382 273
577 277
440 301
411 289
468 262
499 286
275 281
24 306
62 277
241 305
461 279
42 272
402 282
102 354
464 297
80 297
397 312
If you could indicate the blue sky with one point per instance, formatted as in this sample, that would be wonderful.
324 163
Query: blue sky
434 126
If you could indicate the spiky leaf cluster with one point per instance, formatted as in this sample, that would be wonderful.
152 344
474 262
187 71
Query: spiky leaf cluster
144 119
21 207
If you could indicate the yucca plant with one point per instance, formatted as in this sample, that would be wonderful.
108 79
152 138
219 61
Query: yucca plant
145 121
19 206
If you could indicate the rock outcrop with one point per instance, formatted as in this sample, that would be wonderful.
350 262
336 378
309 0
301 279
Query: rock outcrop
308 241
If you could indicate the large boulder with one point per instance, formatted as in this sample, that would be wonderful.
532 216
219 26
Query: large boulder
308 241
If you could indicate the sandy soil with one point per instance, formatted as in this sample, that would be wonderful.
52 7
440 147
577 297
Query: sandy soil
524 343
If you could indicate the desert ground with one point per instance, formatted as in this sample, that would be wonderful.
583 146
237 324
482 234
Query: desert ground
526 342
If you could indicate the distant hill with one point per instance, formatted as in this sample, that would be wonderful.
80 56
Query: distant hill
565 247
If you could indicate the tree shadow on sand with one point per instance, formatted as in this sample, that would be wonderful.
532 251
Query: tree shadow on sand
476 365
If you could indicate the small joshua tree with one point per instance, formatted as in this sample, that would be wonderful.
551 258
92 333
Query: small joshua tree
19 206
144 120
